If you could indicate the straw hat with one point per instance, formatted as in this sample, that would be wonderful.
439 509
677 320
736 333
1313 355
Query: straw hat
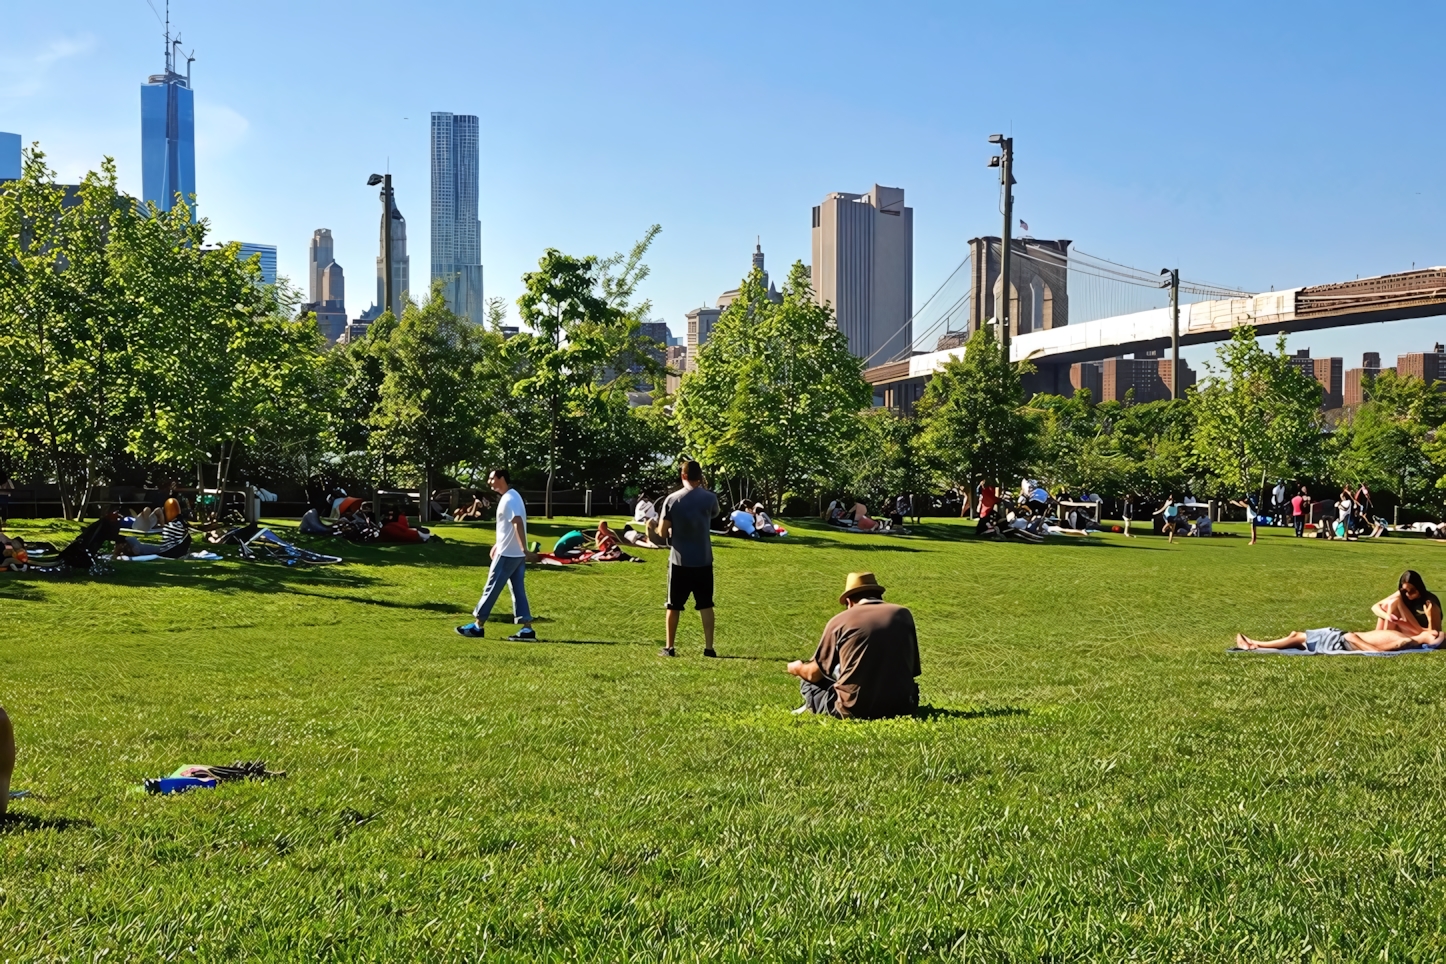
860 584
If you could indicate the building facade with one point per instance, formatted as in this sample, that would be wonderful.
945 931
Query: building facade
1353 382
701 320
9 157
1113 379
456 231
168 139
1328 371
267 252
863 265
1429 366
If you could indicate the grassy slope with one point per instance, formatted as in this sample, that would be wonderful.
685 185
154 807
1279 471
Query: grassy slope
1098 778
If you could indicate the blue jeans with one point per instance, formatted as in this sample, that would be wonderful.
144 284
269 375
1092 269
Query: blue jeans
819 697
1299 526
505 571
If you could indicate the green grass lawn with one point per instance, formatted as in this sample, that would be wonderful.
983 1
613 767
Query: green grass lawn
1095 778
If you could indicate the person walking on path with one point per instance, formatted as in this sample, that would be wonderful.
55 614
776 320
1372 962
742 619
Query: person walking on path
509 563
687 519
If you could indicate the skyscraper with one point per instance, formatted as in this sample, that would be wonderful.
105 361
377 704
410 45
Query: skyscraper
456 232
168 135
863 265
327 287
401 266
9 157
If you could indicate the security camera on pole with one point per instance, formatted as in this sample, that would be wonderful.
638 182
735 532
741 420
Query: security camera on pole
1005 163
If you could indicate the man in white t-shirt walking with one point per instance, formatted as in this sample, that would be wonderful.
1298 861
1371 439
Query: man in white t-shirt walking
509 562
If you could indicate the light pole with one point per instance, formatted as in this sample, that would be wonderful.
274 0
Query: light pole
1005 163
1172 281
386 181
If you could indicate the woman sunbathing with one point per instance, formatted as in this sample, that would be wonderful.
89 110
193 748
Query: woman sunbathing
605 540
860 514
1410 609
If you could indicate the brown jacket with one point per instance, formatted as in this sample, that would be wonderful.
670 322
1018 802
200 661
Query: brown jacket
871 652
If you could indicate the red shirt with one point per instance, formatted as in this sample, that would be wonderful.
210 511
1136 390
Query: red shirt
1297 505
988 496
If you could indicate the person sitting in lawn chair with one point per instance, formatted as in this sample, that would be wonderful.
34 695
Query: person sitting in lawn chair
867 662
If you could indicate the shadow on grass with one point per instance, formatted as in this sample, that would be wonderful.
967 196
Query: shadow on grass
927 712
20 591
13 822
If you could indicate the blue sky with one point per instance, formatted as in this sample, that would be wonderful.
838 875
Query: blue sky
1249 144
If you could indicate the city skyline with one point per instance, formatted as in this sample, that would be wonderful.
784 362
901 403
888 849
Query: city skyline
1132 184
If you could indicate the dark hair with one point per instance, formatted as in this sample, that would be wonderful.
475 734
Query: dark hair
502 474
692 471
1414 578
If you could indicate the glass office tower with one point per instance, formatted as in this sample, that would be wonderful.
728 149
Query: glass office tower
168 140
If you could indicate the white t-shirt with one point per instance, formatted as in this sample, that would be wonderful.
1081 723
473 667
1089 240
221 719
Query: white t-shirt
744 521
510 507
645 511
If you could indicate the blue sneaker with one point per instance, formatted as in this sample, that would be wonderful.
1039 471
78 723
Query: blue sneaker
471 631
523 635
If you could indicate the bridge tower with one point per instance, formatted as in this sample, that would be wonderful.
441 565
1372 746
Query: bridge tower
1039 284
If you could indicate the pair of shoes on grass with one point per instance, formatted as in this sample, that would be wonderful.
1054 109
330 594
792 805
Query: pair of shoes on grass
670 651
473 631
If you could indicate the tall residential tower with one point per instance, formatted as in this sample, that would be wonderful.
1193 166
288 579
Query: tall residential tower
456 231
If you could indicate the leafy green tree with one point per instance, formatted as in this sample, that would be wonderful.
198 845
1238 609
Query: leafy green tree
1393 442
584 346
1256 416
882 458
773 397
974 422
66 336
433 405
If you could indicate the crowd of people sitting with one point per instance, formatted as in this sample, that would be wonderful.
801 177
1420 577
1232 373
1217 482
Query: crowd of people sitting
853 515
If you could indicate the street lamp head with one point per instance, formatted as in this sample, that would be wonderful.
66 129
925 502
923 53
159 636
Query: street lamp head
374 180
996 138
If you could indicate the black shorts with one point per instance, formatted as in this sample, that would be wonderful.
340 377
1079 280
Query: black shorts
685 581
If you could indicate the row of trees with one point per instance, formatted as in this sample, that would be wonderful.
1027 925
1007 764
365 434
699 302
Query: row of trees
131 348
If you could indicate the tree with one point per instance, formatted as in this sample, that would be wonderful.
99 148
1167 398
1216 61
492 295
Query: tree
1257 416
882 458
774 393
1393 443
66 335
974 422
433 405
584 343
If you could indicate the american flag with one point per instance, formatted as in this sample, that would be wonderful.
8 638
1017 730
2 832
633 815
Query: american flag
1022 225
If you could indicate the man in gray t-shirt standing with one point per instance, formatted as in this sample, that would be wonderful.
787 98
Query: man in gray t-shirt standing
688 516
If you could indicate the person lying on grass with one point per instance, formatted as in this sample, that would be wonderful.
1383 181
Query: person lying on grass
867 662
1410 609
1340 641
175 536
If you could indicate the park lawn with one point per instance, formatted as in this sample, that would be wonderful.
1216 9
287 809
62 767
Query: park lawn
1094 777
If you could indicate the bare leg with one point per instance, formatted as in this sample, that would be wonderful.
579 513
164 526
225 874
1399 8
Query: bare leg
1252 530
1380 641
672 625
1295 640
707 617
7 759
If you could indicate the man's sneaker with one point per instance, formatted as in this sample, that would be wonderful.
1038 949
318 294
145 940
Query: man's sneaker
710 653
523 635
471 631
801 709
667 651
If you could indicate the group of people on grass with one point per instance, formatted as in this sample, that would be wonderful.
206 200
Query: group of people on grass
849 513
866 664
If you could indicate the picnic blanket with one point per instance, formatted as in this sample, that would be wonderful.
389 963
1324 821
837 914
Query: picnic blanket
1333 652
588 555
202 556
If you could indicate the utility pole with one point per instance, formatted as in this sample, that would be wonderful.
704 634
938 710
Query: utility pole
1173 282
1005 163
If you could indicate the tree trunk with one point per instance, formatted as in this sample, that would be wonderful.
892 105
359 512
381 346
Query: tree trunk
551 460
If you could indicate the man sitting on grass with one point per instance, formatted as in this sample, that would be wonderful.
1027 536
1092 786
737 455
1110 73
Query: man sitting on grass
7 759
867 661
